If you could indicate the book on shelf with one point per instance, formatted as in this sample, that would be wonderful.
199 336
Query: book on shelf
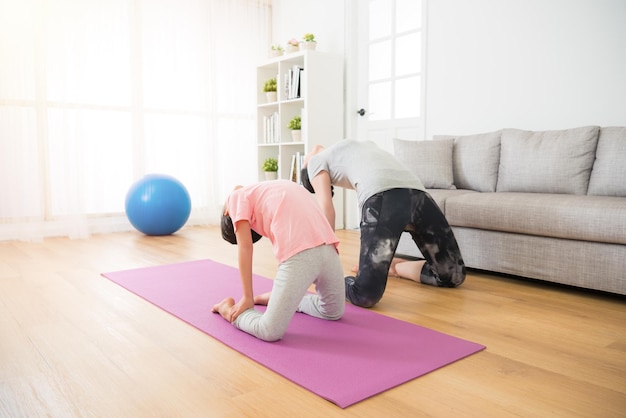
295 82
271 128
299 90
292 83
297 161
292 171
276 127
298 167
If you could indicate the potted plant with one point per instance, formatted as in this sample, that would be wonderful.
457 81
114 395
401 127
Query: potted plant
276 51
270 167
308 42
270 89
292 45
295 124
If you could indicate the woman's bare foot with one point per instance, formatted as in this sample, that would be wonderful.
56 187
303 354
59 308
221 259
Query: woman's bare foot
392 267
224 308
408 269
262 299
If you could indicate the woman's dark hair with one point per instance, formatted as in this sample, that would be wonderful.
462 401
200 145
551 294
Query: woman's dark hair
306 182
228 231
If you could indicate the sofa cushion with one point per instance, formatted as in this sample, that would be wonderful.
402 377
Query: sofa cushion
441 195
430 161
547 161
475 160
575 217
608 177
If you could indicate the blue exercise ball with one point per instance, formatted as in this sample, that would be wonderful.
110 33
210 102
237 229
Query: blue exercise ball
158 204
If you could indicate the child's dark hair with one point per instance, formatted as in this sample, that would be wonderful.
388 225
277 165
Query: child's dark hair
306 182
228 231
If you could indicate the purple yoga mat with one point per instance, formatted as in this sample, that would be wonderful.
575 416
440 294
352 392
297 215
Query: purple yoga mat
344 361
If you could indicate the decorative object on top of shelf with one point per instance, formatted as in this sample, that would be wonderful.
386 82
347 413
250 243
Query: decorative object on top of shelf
295 126
276 51
270 89
270 167
292 45
308 42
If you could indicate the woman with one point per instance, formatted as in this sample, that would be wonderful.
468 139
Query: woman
391 200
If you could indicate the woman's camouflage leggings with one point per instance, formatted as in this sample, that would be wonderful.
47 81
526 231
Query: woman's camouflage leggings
384 217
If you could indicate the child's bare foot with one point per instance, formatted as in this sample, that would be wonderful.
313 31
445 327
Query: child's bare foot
224 308
354 269
262 299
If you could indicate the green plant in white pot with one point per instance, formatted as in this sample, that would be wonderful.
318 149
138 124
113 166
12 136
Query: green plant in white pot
270 167
276 51
270 90
295 125
308 41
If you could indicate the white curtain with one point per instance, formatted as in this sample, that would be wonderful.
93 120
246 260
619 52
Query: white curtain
94 94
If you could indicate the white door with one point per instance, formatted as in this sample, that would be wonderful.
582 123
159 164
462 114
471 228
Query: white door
386 61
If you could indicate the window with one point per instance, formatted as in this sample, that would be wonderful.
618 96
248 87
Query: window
95 94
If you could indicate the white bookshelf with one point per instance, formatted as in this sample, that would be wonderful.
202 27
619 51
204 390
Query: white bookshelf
320 105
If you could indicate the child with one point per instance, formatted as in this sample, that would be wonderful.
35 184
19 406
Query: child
391 200
306 249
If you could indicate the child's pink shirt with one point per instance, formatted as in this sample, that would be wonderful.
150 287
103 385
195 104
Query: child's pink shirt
284 212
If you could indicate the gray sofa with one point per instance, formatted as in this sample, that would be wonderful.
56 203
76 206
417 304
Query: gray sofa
548 205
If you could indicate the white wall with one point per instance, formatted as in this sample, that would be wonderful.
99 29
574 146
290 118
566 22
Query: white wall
531 64
323 18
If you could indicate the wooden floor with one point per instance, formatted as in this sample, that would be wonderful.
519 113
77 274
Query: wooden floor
73 344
